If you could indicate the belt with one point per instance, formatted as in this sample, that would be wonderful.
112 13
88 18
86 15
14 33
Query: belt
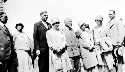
22 49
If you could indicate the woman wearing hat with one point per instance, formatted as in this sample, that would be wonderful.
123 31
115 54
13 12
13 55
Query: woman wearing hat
58 56
22 45
103 46
86 46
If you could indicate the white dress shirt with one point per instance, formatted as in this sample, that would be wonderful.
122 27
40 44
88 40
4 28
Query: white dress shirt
44 23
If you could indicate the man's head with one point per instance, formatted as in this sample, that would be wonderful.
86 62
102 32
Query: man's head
99 19
19 26
3 18
55 22
111 14
44 16
68 22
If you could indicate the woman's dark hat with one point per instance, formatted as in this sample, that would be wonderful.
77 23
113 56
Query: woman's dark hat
19 24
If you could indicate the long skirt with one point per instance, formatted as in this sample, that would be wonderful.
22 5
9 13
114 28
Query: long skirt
24 61
59 63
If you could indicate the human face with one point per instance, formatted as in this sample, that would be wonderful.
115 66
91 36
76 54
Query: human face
82 28
19 28
44 17
56 25
98 22
70 23
111 15
4 18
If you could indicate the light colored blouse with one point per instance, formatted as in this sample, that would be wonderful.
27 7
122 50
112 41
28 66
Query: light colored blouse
56 39
21 41
99 33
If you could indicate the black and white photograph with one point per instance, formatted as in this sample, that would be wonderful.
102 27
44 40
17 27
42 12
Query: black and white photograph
62 36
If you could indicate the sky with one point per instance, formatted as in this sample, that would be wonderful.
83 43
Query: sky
28 12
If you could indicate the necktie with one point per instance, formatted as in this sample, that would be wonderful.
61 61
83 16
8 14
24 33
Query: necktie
6 29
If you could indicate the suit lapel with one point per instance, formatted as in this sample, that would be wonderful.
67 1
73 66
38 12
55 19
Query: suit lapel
4 30
42 26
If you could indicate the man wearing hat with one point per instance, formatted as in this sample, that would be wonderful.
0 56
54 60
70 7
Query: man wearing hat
8 57
41 48
115 30
59 59
73 50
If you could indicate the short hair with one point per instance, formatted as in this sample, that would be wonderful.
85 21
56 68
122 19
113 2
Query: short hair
42 12
19 24
113 11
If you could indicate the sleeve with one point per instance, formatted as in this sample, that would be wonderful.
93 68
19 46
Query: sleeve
120 31
107 30
63 40
14 37
35 34
81 43
93 36
48 37
30 43
91 39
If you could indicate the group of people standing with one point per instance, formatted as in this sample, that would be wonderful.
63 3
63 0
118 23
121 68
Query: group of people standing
100 49
15 49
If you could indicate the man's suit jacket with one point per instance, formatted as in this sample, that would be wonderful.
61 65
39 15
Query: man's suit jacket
40 42
5 43
115 29
72 48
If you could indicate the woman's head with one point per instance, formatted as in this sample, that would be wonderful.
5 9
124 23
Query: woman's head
55 22
81 25
19 26
99 19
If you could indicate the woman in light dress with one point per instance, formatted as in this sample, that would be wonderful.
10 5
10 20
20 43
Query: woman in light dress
103 45
86 44
23 46
58 56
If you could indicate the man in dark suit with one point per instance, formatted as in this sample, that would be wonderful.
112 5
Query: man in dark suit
40 43
8 57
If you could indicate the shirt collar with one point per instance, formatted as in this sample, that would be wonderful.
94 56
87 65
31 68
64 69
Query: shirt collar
44 23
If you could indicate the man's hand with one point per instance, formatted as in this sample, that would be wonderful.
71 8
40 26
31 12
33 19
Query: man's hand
37 52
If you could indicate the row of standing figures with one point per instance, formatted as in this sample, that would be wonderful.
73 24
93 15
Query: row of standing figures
63 50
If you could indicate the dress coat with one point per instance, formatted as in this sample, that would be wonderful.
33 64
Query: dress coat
105 46
57 40
89 57
72 48
115 30
23 49
11 56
